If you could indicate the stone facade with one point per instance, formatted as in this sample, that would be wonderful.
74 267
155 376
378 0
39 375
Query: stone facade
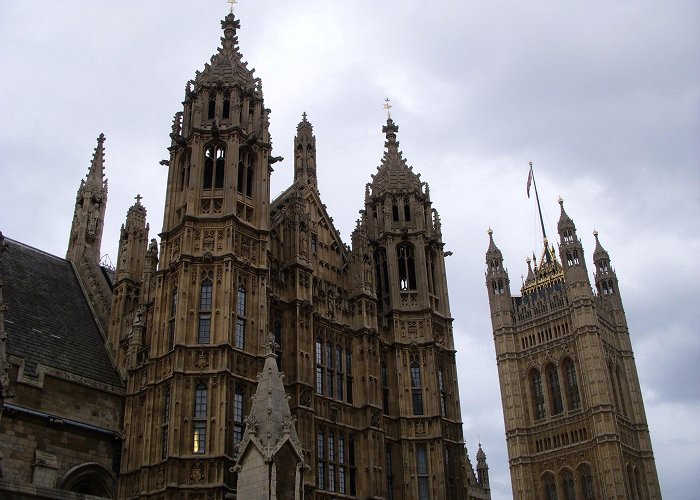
241 285
572 405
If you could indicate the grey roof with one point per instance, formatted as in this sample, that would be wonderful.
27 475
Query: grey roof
48 319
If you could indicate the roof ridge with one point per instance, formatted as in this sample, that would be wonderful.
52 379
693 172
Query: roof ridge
37 250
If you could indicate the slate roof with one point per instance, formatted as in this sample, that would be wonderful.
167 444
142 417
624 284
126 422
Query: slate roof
48 319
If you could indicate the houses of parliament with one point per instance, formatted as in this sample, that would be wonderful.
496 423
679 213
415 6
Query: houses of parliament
250 353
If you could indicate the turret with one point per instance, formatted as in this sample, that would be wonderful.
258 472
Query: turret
498 285
573 262
305 153
220 143
89 214
405 230
605 276
132 243
482 469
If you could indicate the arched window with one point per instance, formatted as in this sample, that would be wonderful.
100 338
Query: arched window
641 491
220 165
214 164
199 419
227 108
240 318
381 277
90 479
395 212
416 389
586 480
554 390
407 267
572 395
567 483
184 180
550 486
422 473
208 167
171 320
319 367
245 173
620 390
165 423
238 412
211 110
205 301
538 406
634 494
443 392
406 211
385 387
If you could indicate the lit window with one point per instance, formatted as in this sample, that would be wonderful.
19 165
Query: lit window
199 420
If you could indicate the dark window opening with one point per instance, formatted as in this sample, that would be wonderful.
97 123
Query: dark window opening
407 212
407 268
416 389
227 108
212 109
395 212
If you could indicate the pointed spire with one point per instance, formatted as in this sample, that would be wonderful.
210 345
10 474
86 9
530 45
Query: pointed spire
564 220
493 250
599 252
305 153
96 172
394 174
270 419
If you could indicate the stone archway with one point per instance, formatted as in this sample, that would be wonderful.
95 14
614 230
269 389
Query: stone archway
90 479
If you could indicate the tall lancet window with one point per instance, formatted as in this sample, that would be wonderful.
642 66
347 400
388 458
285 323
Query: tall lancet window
572 394
416 389
214 162
422 473
407 267
199 419
241 317
205 301
539 408
246 173
554 390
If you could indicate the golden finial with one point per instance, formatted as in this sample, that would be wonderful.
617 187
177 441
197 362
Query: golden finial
232 2
387 106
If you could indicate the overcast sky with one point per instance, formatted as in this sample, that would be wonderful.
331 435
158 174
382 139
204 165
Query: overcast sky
603 97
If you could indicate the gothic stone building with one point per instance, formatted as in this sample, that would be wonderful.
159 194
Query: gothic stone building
143 387
573 410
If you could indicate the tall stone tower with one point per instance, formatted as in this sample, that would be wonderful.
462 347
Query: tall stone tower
417 376
193 338
573 410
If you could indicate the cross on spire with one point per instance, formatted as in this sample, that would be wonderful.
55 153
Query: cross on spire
388 107
232 3
138 199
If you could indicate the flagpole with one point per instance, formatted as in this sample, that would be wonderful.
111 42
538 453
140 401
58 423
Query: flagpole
537 197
